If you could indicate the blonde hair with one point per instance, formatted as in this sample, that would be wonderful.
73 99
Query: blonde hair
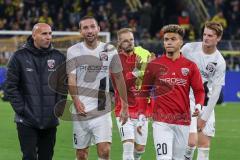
124 30
215 26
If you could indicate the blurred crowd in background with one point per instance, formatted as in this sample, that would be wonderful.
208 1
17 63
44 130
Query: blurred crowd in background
145 17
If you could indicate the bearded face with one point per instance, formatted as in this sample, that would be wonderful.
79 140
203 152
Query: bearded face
126 42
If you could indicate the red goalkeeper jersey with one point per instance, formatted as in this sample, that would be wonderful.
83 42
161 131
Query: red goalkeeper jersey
169 83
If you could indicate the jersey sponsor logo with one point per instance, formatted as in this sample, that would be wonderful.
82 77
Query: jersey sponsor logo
171 117
174 81
93 68
185 71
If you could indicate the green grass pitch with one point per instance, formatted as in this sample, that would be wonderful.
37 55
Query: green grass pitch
225 145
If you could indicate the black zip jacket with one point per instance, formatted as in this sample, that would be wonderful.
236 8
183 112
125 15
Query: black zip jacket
28 85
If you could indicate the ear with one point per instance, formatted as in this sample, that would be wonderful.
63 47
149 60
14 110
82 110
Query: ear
119 44
181 42
34 35
219 38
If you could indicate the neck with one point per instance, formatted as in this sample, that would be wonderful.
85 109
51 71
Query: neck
174 55
129 53
91 45
124 52
35 45
209 50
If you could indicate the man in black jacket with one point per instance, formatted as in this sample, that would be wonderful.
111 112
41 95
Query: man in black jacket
35 88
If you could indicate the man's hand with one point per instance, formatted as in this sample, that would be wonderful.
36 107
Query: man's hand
200 124
140 123
79 107
124 114
198 110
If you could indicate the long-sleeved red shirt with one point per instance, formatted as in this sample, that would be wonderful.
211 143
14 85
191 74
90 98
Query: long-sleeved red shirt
171 81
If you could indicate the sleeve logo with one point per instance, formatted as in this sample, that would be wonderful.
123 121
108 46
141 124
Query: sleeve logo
103 56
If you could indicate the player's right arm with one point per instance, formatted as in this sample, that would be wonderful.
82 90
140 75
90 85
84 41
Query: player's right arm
73 90
72 84
196 84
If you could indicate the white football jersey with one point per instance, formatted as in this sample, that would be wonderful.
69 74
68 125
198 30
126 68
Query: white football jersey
92 69
212 67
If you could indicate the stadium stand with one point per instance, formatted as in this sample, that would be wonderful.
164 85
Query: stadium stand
145 17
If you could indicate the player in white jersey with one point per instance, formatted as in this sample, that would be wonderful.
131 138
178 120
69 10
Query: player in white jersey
212 67
89 65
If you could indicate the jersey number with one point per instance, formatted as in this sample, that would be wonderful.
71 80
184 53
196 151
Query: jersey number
161 149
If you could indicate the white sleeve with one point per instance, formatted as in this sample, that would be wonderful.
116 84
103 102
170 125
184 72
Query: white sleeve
219 76
115 64
216 89
218 80
70 63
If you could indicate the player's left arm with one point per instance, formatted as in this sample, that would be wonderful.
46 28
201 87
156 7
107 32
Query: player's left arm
196 84
218 82
116 72
121 87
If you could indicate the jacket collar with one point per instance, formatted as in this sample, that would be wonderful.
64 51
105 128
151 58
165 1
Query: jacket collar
30 46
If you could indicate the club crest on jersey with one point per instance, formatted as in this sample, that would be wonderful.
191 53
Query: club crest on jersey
103 56
211 67
51 63
185 71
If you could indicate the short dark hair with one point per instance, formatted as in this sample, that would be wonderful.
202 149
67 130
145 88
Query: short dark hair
87 17
173 28
217 27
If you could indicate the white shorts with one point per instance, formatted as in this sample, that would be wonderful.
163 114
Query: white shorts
209 129
170 140
129 131
93 131
193 125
